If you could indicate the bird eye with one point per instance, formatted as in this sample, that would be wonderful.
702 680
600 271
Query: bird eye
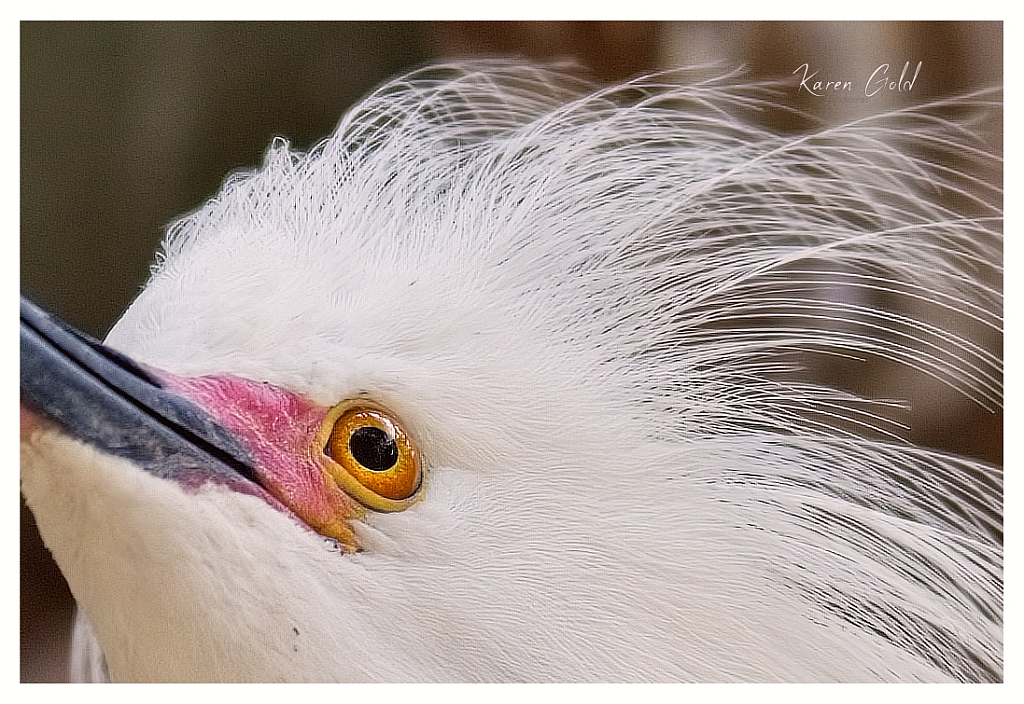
372 457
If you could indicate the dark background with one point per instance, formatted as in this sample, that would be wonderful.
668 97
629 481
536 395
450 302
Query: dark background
126 125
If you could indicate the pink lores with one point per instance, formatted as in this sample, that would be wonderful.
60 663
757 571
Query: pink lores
277 426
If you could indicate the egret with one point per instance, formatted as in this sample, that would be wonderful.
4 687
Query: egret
508 380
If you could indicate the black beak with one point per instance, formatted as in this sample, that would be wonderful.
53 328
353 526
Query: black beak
110 402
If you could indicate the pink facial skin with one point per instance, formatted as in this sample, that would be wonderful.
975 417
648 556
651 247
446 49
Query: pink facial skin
277 426
30 423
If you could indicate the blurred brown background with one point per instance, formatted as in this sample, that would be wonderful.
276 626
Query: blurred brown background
126 125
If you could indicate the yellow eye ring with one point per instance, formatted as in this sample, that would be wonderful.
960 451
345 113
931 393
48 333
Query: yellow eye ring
369 455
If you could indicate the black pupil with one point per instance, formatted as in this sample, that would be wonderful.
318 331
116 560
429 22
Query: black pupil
373 448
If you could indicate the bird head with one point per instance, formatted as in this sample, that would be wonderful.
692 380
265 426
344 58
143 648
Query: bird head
491 385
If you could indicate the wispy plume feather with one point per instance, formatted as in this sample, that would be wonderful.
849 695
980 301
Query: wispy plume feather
698 266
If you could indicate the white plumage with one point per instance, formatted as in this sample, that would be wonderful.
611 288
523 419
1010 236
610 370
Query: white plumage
590 310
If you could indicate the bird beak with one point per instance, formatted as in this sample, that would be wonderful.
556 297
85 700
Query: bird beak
108 401
158 421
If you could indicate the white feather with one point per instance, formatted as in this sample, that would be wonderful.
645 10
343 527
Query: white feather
591 309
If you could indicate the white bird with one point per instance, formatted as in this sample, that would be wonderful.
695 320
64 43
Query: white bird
502 381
